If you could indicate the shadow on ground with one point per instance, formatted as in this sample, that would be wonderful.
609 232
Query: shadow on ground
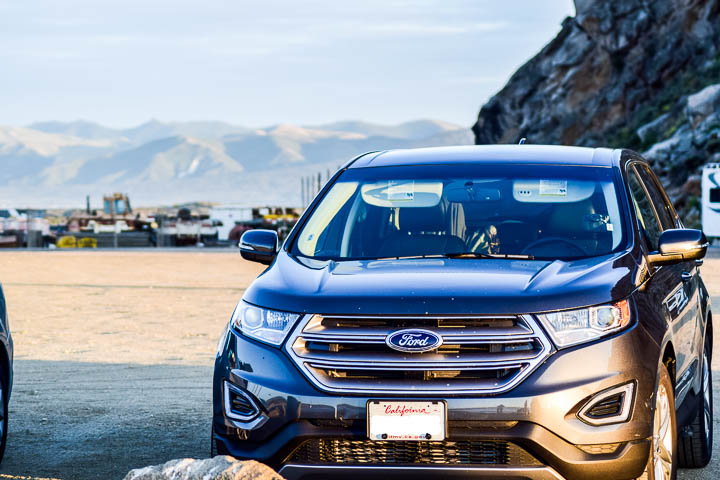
76 421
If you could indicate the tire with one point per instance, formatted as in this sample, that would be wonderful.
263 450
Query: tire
663 461
695 450
3 413
213 444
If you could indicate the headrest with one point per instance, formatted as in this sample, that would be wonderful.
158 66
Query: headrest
423 219
570 217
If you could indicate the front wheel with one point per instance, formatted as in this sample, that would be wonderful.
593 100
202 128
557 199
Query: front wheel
662 464
213 443
4 417
695 449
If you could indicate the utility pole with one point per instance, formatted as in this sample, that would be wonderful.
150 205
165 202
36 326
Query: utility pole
302 190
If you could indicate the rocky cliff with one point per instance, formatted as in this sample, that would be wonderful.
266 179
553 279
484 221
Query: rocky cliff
641 74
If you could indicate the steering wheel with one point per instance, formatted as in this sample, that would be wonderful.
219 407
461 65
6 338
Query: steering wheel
542 241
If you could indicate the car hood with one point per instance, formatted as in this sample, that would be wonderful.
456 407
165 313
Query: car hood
441 286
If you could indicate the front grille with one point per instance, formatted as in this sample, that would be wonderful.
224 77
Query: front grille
479 354
463 452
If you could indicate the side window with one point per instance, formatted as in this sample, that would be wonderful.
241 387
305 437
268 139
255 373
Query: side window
664 211
644 209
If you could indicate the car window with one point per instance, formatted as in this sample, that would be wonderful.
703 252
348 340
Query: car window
663 209
643 208
550 212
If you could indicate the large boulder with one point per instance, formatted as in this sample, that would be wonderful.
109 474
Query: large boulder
218 468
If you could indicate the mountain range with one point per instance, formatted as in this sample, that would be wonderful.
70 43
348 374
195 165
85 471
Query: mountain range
58 163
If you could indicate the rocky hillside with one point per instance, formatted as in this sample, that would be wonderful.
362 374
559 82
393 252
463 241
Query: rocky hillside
641 74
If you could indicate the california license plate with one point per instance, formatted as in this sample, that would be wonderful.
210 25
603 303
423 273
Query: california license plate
398 420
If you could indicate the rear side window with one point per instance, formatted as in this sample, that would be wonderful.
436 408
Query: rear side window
662 208
644 210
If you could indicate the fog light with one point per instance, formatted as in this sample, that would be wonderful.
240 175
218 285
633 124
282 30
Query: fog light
600 448
609 406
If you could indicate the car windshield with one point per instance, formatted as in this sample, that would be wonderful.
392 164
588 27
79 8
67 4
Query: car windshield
524 211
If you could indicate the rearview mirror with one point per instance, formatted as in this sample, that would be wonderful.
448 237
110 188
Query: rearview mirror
259 246
679 245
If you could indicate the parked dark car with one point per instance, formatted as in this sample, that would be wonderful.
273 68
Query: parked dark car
6 371
492 311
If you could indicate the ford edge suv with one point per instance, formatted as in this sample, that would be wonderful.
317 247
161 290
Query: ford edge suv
526 312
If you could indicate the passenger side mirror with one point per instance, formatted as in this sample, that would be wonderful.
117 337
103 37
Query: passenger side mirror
679 245
259 246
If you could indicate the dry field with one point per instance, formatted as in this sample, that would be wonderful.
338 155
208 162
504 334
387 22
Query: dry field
113 357
114 353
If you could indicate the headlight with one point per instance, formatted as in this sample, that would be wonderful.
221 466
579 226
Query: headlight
576 326
265 325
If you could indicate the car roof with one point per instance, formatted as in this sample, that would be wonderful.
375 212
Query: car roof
531 154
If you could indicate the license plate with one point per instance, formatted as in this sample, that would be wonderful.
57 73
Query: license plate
397 420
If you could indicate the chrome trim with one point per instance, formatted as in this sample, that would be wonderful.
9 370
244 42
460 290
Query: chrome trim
628 389
227 386
293 471
314 363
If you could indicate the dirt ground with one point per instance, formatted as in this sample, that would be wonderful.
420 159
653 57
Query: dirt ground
114 354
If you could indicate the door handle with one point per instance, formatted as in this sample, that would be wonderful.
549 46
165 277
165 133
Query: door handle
686 276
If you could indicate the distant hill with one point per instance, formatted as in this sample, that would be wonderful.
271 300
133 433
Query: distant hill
58 163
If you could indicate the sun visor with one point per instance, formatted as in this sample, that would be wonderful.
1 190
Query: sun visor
552 191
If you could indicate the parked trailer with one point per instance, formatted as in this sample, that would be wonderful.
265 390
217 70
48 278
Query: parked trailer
227 216
711 199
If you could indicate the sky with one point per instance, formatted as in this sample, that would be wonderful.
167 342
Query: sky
123 62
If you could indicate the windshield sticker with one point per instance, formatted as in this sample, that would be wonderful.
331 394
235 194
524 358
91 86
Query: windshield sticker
555 188
401 190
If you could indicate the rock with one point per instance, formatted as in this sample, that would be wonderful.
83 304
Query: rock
654 128
703 103
218 468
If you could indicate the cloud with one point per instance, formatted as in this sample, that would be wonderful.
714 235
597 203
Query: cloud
424 29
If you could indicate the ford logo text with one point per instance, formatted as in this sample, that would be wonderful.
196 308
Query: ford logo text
413 340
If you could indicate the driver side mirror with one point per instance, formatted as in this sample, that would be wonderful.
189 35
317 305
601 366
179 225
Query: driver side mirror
259 246
679 245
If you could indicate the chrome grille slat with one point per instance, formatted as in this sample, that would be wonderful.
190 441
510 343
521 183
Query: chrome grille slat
344 353
429 360
414 366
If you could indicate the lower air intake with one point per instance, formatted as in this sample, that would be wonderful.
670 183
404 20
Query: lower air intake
463 452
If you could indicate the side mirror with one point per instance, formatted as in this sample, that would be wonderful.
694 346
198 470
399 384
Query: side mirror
679 245
259 246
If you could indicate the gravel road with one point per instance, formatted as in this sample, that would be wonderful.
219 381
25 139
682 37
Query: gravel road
114 355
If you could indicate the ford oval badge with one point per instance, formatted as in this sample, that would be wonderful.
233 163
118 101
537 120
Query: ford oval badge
413 340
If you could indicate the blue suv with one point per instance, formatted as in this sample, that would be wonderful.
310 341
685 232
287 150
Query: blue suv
525 312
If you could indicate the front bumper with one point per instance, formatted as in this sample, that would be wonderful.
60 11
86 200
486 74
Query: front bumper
539 415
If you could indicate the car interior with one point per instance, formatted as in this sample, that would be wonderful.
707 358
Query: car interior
484 217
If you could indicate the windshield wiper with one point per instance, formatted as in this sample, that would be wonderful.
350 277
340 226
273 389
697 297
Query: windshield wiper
405 257
511 256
